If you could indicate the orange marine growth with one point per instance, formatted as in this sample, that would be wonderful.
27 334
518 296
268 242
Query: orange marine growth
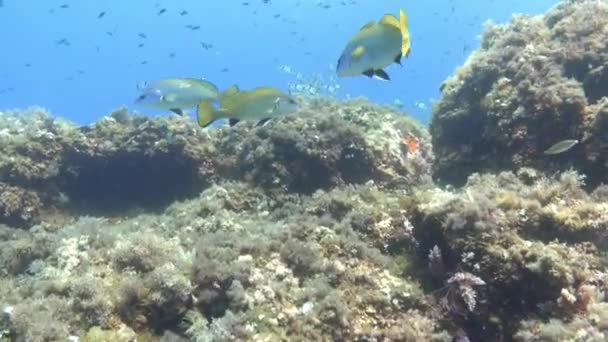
411 143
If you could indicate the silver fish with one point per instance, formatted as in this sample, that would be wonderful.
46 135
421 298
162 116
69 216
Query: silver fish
561 146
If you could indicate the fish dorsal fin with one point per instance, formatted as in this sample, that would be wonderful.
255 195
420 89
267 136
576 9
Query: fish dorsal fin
266 91
358 52
366 26
234 89
390 20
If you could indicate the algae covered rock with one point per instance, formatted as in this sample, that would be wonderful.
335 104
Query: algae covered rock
533 82
119 162
155 229
127 162
536 244
327 144
233 263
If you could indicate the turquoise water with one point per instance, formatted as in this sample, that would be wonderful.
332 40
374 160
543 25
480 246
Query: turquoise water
67 57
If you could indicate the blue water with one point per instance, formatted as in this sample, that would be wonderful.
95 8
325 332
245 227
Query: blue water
98 72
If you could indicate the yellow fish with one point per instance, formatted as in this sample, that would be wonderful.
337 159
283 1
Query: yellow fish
259 104
376 46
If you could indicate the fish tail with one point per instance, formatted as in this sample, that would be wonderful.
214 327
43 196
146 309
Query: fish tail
205 114
405 34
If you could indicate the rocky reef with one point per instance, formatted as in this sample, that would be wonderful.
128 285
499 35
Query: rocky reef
49 166
138 228
325 225
533 83
533 248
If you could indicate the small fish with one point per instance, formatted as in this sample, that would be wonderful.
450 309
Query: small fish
561 147
206 46
140 45
376 46
142 35
260 104
101 15
177 94
63 41
161 11
64 6
193 27
183 13
1 3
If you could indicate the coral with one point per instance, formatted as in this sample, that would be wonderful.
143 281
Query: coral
533 82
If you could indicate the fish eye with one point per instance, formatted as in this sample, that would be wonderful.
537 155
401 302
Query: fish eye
141 97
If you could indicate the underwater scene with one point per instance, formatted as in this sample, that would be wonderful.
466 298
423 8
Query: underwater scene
294 170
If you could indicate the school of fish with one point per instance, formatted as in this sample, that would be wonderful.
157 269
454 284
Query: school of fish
373 48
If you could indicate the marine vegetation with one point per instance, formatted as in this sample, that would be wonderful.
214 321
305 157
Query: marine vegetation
533 83
325 224
278 232
512 252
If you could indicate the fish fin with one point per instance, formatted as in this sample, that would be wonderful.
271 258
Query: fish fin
230 91
262 122
233 121
358 52
398 59
369 73
177 111
368 25
405 34
381 74
205 114
390 20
